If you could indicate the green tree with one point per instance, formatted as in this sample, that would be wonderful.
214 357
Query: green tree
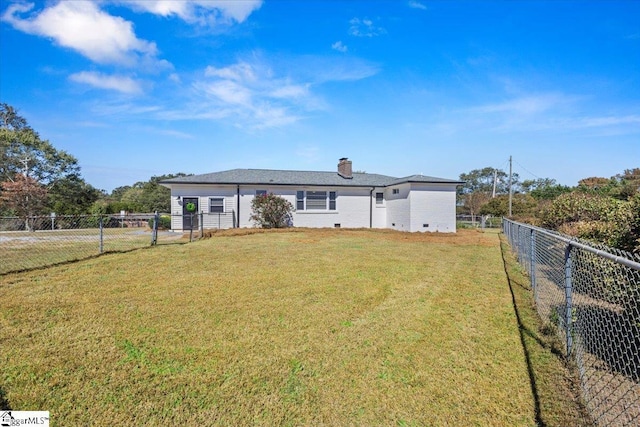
522 205
478 187
483 179
118 192
72 196
22 151
629 183
543 188
271 211
632 242
145 196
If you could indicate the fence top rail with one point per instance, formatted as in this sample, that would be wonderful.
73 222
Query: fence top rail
63 216
578 244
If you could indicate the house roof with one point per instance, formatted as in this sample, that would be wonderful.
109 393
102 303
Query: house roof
305 178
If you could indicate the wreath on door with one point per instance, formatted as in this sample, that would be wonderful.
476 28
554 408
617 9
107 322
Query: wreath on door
191 207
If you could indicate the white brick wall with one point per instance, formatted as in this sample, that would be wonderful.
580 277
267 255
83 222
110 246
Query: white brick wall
433 205
398 208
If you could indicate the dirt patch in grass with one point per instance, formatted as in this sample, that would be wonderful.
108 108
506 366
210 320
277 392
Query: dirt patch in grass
304 327
473 237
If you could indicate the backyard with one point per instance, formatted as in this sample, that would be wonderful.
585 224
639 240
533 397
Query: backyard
300 327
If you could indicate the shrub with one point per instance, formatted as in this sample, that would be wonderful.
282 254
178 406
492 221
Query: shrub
521 205
271 211
164 222
597 218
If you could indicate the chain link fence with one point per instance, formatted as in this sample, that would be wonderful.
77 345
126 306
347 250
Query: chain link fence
478 221
590 294
40 241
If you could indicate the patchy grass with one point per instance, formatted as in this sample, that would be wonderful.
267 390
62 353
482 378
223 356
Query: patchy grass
335 327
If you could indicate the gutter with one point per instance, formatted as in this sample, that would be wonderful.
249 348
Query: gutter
238 205
371 207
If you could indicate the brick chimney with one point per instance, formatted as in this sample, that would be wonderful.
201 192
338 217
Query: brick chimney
344 168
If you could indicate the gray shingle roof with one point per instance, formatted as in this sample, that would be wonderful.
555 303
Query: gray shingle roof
287 177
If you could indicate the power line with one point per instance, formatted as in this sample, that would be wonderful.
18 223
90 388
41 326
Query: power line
527 170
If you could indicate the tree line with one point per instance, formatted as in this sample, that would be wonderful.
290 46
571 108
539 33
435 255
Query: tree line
37 179
599 209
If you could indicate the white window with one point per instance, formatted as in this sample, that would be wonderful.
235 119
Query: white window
332 200
379 198
300 200
316 200
396 191
216 205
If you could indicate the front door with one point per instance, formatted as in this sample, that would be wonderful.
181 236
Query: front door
189 218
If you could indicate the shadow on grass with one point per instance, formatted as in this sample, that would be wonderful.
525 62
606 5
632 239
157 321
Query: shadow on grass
85 258
554 384
4 403
524 330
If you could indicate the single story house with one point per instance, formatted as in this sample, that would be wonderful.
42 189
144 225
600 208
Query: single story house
321 199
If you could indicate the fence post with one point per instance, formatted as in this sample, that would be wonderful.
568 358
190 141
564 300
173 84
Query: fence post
191 227
201 225
154 231
533 261
519 244
568 298
101 235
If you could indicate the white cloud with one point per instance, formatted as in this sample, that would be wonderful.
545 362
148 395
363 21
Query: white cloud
249 92
256 93
610 121
228 92
339 46
174 133
554 112
203 12
83 27
365 28
290 91
321 70
417 5
241 71
527 105
118 83
268 116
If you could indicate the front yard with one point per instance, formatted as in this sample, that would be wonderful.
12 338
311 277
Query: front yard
302 327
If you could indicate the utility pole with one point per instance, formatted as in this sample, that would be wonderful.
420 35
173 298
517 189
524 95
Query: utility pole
25 162
495 179
510 181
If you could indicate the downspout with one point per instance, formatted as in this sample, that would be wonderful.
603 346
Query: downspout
371 207
238 205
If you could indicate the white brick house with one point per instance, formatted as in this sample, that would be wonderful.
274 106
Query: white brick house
321 199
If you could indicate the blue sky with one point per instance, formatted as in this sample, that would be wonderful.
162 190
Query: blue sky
141 88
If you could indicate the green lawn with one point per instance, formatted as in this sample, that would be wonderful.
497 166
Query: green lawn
306 327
